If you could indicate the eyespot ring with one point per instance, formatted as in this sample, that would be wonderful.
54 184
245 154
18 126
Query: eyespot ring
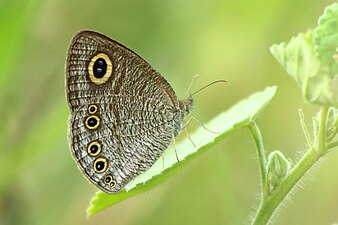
94 148
108 179
92 109
100 165
112 184
100 68
92 122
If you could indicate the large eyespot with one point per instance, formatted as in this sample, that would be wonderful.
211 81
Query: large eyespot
100 165
92 122
100 68
92 109
94 148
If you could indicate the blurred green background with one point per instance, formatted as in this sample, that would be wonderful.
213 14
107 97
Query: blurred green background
230 39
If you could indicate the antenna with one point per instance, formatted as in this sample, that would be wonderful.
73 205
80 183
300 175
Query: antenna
190 85
214 82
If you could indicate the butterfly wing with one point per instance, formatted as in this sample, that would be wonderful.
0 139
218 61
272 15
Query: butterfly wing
123 113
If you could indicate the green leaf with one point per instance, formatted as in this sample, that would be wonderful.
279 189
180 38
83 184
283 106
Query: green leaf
236 117
325 38
300 61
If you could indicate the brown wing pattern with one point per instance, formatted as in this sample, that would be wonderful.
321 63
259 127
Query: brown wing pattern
119 128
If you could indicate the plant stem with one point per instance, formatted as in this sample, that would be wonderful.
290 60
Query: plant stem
256 133
332 145
272 202
321 143
306 132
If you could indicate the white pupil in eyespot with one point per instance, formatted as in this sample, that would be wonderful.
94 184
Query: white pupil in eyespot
100 68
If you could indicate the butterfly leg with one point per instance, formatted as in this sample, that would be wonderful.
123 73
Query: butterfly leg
188 135
174 143
200 123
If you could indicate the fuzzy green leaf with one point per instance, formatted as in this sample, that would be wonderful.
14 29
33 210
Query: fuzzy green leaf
300 61
236 117
325 38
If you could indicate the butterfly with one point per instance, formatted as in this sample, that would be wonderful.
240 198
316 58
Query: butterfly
124 114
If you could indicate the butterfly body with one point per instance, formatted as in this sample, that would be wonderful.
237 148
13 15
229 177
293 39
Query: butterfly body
124 114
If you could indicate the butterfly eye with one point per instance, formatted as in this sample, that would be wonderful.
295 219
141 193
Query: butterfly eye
92 122
100 165
100 68
94 148
92 109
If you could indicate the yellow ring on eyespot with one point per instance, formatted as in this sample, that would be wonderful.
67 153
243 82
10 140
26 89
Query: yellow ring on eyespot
108 73
108 176
92 106
113 185
100 160
91 145
97 122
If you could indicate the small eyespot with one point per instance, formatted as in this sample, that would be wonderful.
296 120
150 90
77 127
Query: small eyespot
92 109
108 179
112 184
94 148
100 68
92 122
100 165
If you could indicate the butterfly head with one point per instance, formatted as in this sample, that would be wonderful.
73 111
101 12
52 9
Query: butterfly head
186 105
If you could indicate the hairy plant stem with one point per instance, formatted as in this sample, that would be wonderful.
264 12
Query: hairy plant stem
256 133
269 204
